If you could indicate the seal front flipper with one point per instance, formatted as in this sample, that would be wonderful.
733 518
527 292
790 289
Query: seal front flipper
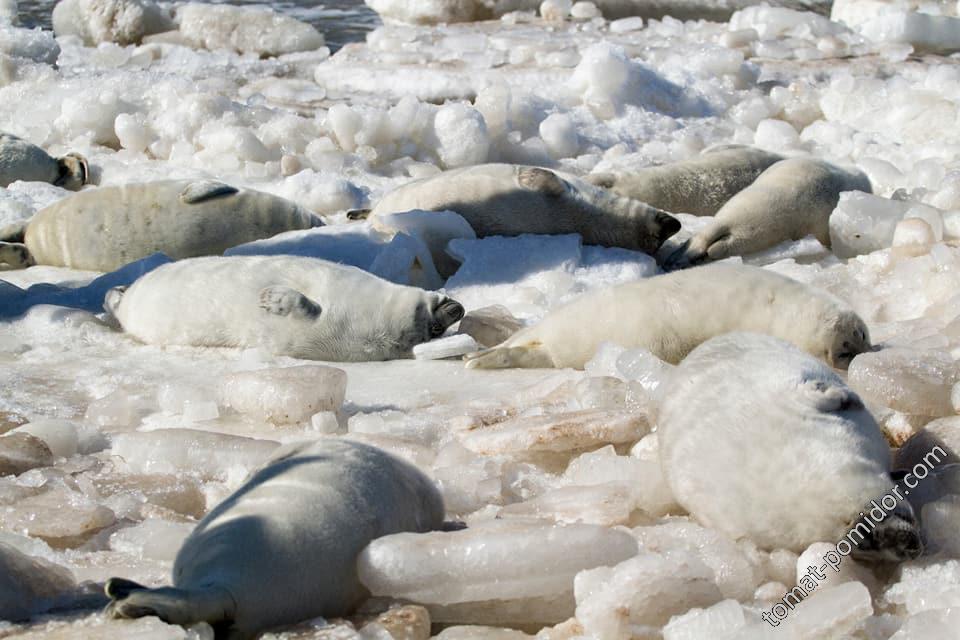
74 172
527 356
358 214
284 301
172 605
16 255
204 190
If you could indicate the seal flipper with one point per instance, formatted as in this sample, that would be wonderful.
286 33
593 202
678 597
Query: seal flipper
527 356
284 301
542 180
203 190
172 605
16 255
358 214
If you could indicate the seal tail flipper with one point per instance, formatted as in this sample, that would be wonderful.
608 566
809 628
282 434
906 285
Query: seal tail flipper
174 606
358 214
527 356
74 172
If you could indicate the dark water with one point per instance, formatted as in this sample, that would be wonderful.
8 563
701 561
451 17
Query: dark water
340 21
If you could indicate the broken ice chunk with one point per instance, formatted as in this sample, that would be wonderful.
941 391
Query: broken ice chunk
602 504
863 223
571 431
491 325
645 590
719 622
450 347
60 517
20 452
60 436
152 539
926 584
908 380
284 395
212 455
833 612
493 561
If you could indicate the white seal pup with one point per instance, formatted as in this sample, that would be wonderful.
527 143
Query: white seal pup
106 228
671 314
288 305
283 548
762 441
21 160
699 186
789 201
510 200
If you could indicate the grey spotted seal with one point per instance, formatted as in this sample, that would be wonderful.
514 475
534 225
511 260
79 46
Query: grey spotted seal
287 305
106 228
283 548
789 201
22 160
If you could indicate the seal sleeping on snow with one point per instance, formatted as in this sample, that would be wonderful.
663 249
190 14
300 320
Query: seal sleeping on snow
734 420
509 200
287 305
283 548
21 160
106 228
671 314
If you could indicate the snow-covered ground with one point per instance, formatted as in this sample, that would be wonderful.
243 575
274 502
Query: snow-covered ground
572 529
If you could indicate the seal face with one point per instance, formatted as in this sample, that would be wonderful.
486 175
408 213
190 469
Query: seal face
734 420
287 305
106 228
671 314
509 200
283 547
789 201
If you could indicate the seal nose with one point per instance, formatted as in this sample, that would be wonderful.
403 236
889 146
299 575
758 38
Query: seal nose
448 312
668 226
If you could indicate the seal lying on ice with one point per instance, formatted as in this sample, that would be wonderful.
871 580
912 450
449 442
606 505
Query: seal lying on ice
21 160
699 186
510 200
791 200
287 305
283 548
106 228
671 314
762 441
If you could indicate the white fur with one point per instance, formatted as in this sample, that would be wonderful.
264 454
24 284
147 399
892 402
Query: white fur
121 21
219 302
283 547
789 201
671 314
509 200
106 228
699 186
762 441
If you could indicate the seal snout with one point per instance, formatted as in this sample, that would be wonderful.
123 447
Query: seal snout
668 225
447 312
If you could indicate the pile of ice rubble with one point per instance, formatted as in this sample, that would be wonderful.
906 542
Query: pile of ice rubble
111 450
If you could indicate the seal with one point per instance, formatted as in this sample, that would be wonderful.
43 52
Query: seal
789 201
762 441
699 186
671 314
106 228
21 160
283 548
288 305
510 200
